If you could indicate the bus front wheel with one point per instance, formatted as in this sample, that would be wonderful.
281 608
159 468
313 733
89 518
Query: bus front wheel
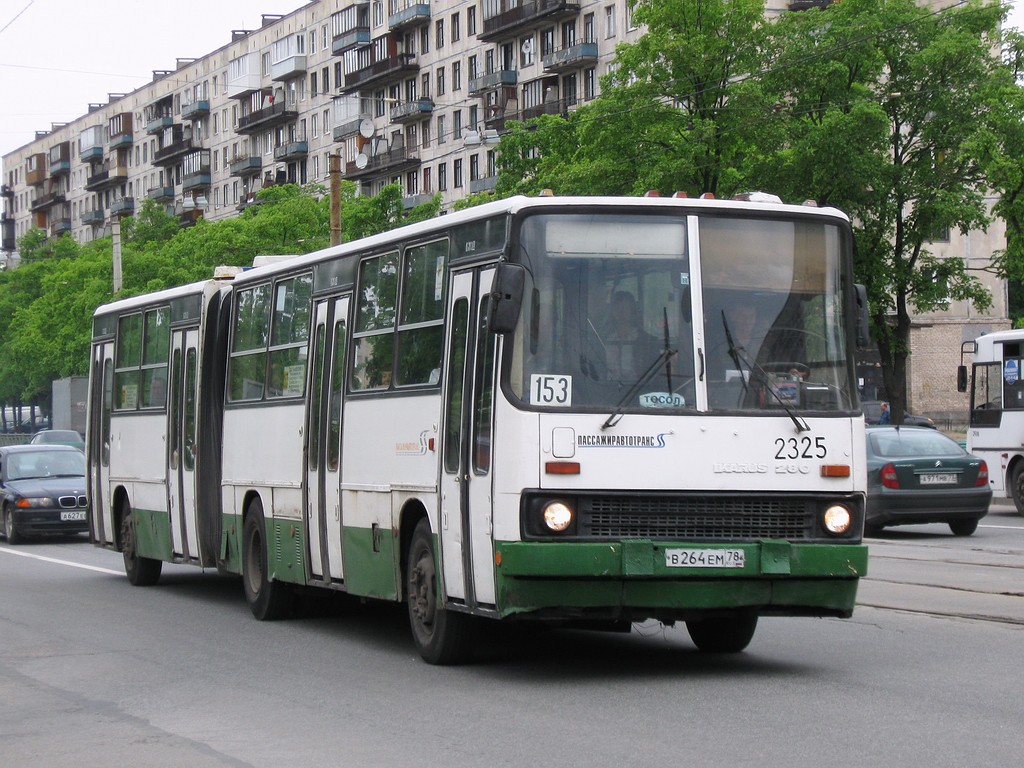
729 634
141 571
1017 486
441 636
268 599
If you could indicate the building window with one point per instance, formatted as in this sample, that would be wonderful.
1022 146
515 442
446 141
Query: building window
457 123
609 21
456 75
312 84
471 20
439 34
442 177
456 32
457 173
440 81
441 137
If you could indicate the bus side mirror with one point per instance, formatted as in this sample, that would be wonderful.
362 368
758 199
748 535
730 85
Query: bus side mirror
506 297
961 378
863 329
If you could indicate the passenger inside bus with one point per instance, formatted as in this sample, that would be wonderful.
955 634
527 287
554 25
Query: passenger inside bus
629 349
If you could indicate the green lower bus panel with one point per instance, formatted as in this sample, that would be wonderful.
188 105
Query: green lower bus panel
152 534
371 567
772 576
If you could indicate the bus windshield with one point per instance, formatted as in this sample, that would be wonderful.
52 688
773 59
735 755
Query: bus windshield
618 313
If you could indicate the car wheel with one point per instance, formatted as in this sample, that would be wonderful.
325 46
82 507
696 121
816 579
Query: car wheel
1017 487
963 527
723 635
13 537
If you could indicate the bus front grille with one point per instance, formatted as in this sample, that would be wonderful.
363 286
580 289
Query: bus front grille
696 518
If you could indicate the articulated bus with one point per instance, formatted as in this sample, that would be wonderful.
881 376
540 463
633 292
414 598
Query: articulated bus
996 430
580 411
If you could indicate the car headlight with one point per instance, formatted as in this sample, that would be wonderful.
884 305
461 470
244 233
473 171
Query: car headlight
39 501
837 519
557 516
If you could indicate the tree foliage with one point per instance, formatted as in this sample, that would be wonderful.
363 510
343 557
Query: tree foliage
46 305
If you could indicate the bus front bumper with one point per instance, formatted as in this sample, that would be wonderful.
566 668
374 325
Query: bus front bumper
634 579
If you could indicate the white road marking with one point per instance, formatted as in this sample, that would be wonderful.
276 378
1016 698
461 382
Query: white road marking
9 551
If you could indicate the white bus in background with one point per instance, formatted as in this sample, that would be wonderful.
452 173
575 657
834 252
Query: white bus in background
584 410
996 429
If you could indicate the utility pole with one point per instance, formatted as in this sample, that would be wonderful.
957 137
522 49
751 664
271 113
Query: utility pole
334 168
115 231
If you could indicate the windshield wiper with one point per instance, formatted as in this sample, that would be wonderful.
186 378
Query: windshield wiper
740 357
663 358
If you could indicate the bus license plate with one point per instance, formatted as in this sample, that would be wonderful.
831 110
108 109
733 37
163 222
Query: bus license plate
944 478
69 516
704 558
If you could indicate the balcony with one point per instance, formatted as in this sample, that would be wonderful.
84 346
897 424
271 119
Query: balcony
161 194
406 111
356 37
293 150
122 207
382 73
121 140
36 169
492 81
44 202
393 161
245 165
196 180
109 176
60 226
120 130
528 15
806 5
291 67
486 184
171 152
268 117
60 159
7 238
411 201
196 110
93 218
572 57
347 126
414 15
158 123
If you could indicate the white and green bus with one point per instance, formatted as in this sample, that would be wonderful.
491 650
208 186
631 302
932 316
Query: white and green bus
586 411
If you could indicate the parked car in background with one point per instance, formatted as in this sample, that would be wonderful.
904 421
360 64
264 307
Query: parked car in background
918 475
59 437
42 491
873 409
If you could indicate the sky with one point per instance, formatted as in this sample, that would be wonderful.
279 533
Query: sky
59 56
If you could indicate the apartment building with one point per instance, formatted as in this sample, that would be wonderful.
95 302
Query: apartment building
403 91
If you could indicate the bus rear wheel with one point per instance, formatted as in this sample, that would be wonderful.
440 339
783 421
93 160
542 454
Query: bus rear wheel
729 634
441 636
268 600
1017 486
141 571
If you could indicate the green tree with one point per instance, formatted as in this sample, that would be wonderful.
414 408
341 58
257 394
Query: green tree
892 98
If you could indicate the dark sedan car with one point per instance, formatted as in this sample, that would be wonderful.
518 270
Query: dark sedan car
873 410
59 437
918 475
42 490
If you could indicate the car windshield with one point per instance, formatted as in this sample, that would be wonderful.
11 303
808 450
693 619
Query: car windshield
908 443
36 464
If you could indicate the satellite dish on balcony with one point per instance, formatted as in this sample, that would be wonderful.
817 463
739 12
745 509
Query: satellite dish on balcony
366 128
362 161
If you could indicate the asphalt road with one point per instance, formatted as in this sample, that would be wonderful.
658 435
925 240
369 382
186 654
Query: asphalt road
94 672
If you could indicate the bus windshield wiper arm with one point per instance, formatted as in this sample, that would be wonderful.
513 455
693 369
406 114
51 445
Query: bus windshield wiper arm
740 357
663 357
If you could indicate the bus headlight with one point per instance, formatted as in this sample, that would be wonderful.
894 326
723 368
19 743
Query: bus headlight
837 519
557 516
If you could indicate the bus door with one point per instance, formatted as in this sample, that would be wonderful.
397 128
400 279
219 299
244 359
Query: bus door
181 442
101 402
323 440
467 546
